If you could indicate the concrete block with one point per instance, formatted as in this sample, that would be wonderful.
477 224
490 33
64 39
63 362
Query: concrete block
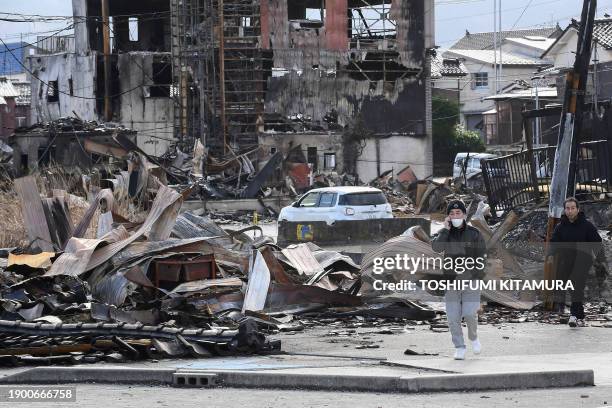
195 379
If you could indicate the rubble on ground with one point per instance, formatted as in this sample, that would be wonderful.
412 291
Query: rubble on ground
105 265
108 287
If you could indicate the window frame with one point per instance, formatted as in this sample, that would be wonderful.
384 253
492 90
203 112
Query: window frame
481 80
333 199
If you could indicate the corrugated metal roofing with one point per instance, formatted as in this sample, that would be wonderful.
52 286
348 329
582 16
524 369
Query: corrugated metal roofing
7 89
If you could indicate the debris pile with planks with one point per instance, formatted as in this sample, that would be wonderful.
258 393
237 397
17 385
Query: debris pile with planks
175 284
170 285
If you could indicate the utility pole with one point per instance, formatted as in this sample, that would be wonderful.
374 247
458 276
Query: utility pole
495 45
563 182
595 78
500 39
108 115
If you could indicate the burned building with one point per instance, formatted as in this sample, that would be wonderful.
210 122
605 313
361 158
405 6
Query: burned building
138 84
343 78
348 80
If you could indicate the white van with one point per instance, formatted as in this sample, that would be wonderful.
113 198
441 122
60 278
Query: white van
331 204
473 163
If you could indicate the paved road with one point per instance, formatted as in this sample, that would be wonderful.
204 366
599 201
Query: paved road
119 396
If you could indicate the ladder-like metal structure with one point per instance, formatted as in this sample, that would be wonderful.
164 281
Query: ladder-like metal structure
218 68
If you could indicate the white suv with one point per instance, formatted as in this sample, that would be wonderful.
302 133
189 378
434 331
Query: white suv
338 203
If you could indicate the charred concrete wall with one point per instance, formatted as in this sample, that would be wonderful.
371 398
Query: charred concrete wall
146 106
315 147
66 87
141 73
323 67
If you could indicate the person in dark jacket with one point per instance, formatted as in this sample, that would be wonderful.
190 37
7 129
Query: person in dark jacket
459 240
574 243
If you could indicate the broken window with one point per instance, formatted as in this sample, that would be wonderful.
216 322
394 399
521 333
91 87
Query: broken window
312 157
133 28
246 28
480 80
369 21
52 91
311 10
134 25
329 161
162 80
315 14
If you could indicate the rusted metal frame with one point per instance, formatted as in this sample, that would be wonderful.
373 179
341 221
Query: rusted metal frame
488 185
364 22
531 158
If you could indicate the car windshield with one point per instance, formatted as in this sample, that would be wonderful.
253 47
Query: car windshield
310 200
374 198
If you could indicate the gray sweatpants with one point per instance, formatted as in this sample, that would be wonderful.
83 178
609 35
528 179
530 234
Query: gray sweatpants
462 304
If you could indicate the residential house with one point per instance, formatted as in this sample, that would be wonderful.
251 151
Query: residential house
562 52
8 95
597 124
519 59
22 102
504 125
446 77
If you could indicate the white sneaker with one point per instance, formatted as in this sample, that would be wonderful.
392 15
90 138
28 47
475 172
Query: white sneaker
476 346
459 353
573 321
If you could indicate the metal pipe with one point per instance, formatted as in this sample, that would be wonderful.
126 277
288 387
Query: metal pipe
222 73
108 114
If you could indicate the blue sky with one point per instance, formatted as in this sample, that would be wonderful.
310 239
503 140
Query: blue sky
453 17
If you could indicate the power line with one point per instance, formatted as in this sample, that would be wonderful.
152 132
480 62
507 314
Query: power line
522 14
58 90
39 41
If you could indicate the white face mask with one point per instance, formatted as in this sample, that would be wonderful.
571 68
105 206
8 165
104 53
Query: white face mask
457 222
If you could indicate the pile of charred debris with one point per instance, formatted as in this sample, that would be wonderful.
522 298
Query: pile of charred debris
133 274
175 284
116 285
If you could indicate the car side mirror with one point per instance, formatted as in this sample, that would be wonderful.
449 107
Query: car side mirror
295 204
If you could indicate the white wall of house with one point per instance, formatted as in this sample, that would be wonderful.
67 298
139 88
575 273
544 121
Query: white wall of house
80 70
472 94
563 53
395 153
523 50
